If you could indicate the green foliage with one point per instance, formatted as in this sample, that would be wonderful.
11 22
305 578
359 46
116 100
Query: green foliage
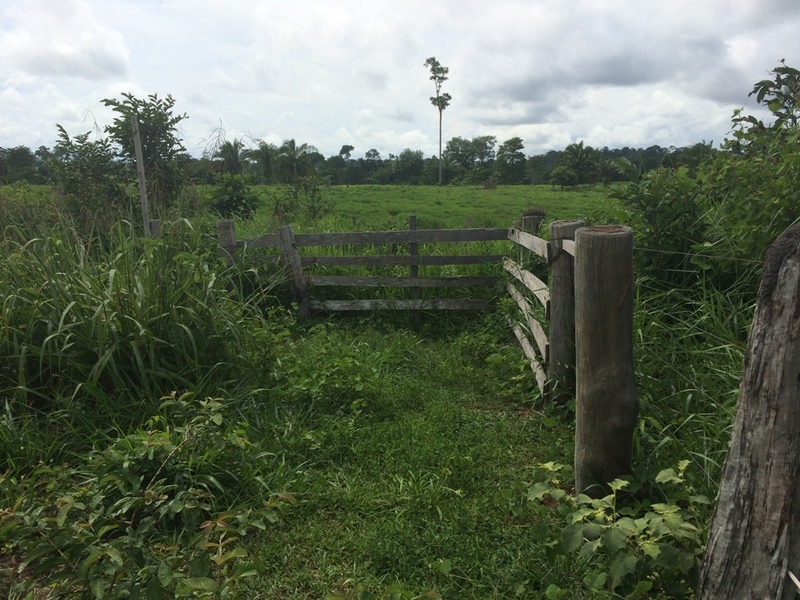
294 161
751 192
29 207
106 328
89 180
666 218
320 373
563 176
145 515
302 198
721 212
161 146
232 196
632 548
510 164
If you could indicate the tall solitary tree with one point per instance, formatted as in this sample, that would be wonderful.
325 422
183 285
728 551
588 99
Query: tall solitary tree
440 101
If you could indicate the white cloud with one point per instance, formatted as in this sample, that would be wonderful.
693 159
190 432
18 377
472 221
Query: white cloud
610 72
60 38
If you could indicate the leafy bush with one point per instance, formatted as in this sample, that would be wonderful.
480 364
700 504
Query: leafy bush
91 183
161 146
302 198
232 196
631 547
147 514
665 215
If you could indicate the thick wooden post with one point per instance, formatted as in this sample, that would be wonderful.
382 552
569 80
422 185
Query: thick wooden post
226 237
607 401
288 247
155 228
561 368
754 541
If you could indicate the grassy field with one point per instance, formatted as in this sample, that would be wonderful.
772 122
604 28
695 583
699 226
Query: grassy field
388 207
168 430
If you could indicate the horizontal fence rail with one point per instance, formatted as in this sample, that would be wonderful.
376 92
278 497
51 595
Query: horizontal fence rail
289 243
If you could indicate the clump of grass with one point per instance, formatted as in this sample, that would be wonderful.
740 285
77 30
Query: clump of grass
102 328
690 346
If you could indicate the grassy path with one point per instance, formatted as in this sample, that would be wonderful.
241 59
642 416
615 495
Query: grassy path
422 485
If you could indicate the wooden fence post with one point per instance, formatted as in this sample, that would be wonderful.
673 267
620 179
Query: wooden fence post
561 368
226 237
288 247
155 228
754 540
607 401
413 250
137 148
530 222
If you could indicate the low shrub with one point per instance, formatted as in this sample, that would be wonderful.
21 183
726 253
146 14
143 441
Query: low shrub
147 514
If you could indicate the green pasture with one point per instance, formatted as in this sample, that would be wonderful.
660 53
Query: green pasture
387 207
167 430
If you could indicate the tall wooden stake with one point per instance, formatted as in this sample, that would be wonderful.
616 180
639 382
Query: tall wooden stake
607 401
288 247
137 147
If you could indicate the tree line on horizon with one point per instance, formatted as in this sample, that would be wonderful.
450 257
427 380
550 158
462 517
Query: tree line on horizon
476 161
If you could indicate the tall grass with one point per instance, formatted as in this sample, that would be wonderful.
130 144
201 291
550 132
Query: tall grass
690 346
102 328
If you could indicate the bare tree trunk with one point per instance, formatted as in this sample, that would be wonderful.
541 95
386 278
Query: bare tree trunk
440 146
755 531
607 401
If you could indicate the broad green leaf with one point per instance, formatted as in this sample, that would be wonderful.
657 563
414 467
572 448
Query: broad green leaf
197 584
164 574
592 531
98 587
651 549
642 587
614 539
572 537
668 476
114 555
620 567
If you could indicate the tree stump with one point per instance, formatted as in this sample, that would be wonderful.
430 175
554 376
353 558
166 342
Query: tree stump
754 539
607 401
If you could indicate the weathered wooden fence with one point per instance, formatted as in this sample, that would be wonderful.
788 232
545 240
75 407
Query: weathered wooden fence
588 354
304 280
579 339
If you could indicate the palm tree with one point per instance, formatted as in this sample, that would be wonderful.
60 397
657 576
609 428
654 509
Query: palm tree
232 157
580 159
293 160
266 157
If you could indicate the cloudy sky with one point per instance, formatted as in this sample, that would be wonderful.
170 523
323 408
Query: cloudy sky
608 72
